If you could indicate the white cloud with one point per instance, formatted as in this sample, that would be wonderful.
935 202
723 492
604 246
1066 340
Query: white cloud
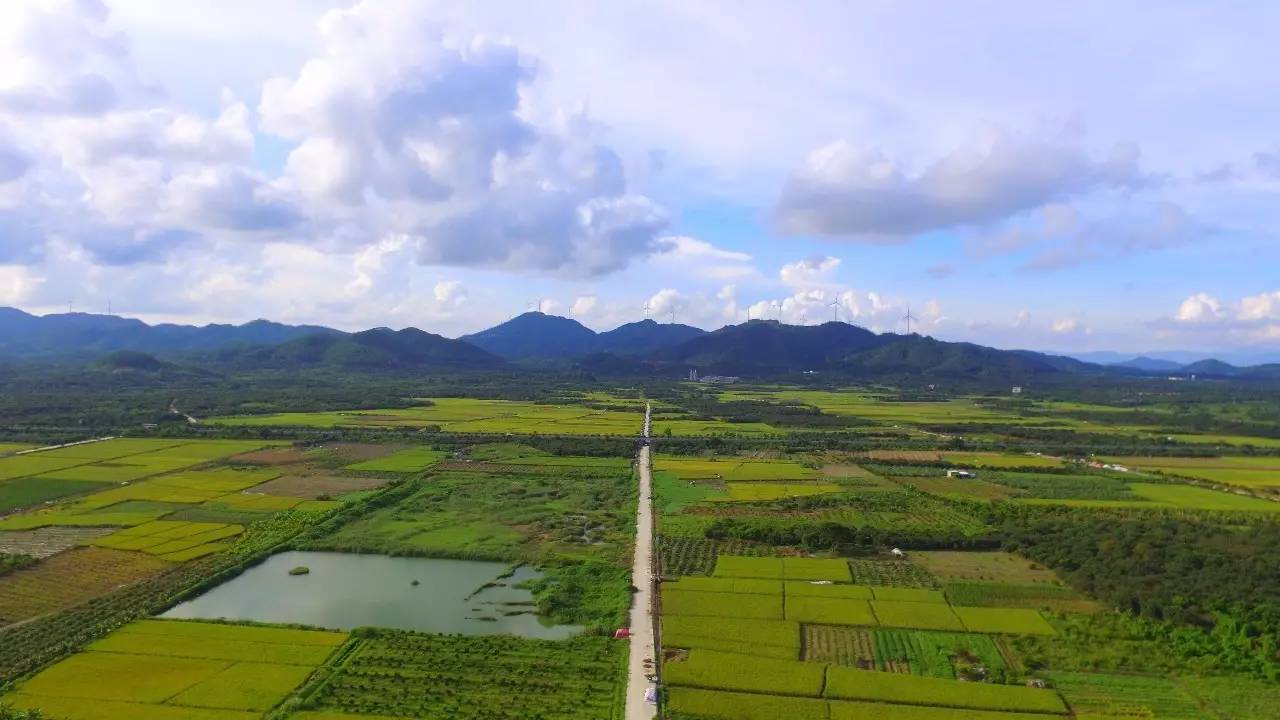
1068 326
858 193
1201 308
809 271
435 132
16 283
701 260
450 293
1022 319
583 305
1263 306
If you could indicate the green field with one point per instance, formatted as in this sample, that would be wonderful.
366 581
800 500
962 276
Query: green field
29 491
731 469
413 460
720 671
411 675
1246 472
169 669
1185 497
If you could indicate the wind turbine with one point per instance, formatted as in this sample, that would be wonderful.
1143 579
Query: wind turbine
673 316
646 308
835 310
909 317
777 309
804 318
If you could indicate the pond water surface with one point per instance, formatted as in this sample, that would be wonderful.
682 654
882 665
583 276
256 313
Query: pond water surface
345 591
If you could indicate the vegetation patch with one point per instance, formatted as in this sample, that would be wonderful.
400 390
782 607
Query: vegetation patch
71 578
412 460
401 674
171 669
1003 621
676 601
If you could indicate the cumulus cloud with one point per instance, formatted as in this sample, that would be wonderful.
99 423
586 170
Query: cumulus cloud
583 305
809 271
434 132
861 193
450 292
1251 318
1200 308
1068 326
16 283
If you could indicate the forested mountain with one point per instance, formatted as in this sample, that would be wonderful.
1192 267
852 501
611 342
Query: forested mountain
371 350
87 335
645 336
535 335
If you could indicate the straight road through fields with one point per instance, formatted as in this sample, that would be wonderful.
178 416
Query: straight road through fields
642 629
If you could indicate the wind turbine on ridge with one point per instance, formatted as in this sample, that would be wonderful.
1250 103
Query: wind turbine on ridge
909 317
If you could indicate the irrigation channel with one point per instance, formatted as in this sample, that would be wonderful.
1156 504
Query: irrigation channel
643 639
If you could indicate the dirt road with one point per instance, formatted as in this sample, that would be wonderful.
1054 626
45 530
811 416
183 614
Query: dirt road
642 630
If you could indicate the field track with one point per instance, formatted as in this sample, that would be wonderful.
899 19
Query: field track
642 626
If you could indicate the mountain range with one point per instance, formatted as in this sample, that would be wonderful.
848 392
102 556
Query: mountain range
754 348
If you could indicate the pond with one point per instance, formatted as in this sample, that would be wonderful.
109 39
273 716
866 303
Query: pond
343 591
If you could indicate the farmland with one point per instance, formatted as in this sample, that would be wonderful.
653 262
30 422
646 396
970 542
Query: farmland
155 669
781 596
496 678
465 415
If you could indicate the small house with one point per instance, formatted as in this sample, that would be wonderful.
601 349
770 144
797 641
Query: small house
962 474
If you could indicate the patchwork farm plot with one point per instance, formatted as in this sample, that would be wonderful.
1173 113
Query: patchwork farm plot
466 415
1257 473
402 675
166 670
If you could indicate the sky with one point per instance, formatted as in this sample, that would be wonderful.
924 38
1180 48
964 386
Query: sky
1056 176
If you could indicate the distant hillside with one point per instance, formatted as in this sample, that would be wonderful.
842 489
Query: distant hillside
644 336
82 334
377 349
1149 364
767 346
538 336
535 335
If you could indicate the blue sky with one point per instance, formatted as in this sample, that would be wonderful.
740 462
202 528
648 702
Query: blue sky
1067 177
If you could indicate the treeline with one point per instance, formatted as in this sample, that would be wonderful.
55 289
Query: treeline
1177 568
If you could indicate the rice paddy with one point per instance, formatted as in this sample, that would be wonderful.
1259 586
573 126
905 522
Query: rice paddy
171 669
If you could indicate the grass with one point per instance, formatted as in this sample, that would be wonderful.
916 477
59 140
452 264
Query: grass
70 578
171 670
983 566
972 489
412 460
795 589
920 615
729 585
469 415
791 568
411 675
767 491
721 604
1090 694
768 638
30 491
1004 595
729 671
1183 497
673 494
1258 473
903 594
1003 621
829 611
731 469
844 683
